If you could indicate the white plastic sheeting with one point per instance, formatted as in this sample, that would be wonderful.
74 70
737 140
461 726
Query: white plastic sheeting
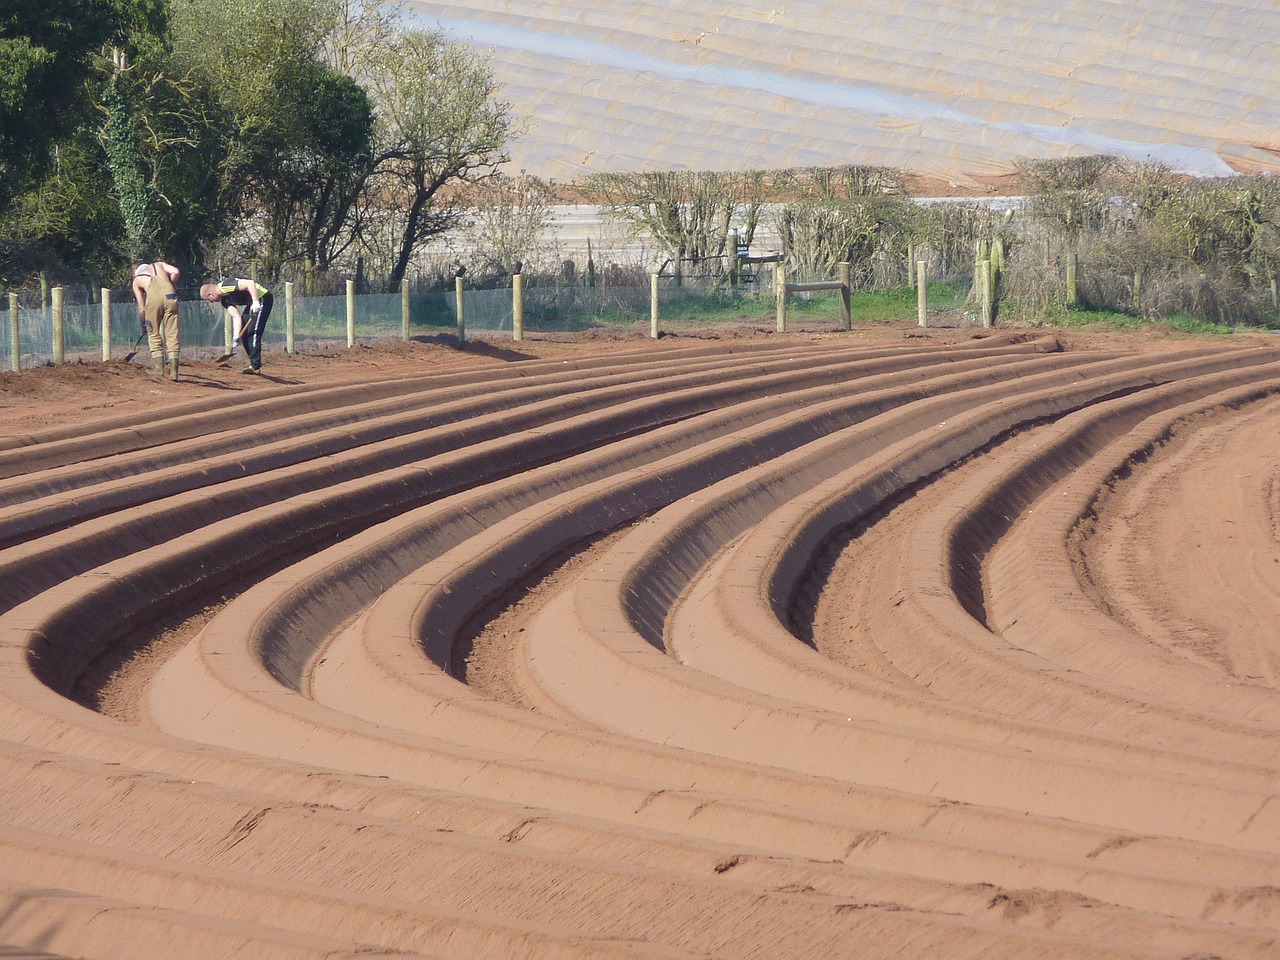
950 88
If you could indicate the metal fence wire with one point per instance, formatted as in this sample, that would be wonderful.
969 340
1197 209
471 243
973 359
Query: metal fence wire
322 322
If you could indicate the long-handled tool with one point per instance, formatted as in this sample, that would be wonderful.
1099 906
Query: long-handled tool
232 352
128 357
226 356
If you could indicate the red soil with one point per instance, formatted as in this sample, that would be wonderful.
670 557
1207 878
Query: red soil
899 643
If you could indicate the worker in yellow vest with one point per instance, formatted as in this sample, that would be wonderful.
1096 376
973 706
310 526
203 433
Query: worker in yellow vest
249 304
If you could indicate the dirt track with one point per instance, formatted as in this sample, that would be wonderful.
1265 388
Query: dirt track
880 646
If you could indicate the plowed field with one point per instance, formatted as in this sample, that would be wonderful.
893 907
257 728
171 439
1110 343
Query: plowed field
894 644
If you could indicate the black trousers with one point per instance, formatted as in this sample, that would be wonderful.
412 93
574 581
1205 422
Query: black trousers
251 334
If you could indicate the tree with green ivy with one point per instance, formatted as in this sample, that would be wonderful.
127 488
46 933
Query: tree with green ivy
137 196
303 127
158 128
86 77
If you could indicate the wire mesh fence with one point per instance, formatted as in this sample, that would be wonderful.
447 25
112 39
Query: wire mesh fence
307 324
73 325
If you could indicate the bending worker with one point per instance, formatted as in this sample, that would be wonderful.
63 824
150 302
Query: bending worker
249 304
153 288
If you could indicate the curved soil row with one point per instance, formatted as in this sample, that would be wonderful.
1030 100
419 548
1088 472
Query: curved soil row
806 646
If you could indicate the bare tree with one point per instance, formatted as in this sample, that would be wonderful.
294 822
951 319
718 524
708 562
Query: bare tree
357 30
1068 193
842 215
508 220
688 214
440 126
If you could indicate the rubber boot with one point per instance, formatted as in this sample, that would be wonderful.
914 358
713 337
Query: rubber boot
173 368
157 364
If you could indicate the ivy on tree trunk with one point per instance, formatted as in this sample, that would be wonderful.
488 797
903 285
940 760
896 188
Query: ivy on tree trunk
134 192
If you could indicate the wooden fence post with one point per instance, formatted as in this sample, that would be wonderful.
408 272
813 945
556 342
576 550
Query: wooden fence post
351 313
289 327
106 323
922 294
980 254
653 306
737 249
404 309
462 322
59 330
517 306
985 275
15 340
780 292
846 296
1071 278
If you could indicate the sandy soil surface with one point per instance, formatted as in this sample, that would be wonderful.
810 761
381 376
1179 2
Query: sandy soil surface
899 643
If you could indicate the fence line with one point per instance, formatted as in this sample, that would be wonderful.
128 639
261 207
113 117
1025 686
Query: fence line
60 330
